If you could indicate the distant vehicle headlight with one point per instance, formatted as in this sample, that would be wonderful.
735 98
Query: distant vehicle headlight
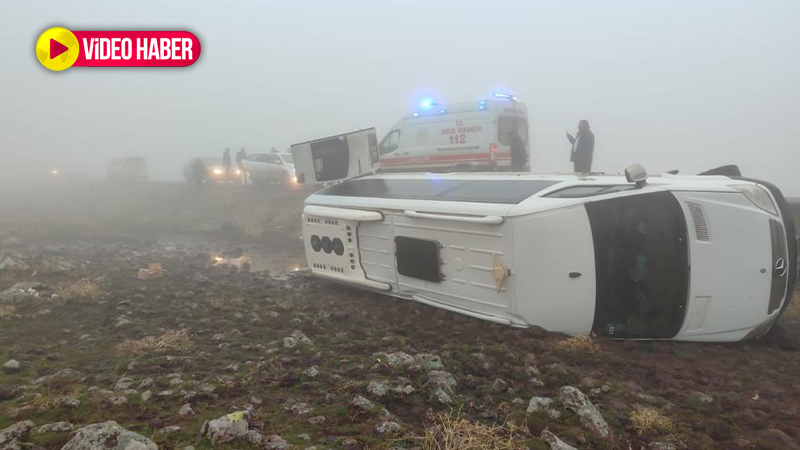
217 171
238 171
758 196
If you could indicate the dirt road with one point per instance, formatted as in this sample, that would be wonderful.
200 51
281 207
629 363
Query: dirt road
315 364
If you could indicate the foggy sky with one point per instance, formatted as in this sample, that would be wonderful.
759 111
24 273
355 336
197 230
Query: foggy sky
672 84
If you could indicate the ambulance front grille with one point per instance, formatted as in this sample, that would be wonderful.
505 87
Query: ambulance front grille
701 229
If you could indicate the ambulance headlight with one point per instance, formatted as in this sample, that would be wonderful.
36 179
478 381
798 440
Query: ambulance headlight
757 196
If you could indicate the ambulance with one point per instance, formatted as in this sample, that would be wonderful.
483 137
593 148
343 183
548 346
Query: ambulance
456 137
710 257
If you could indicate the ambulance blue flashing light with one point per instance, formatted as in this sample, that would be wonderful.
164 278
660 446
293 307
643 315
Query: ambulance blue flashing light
482 104
426 103
416 114
442 111
504 96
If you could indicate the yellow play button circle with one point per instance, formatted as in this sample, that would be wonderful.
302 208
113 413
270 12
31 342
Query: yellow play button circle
57 49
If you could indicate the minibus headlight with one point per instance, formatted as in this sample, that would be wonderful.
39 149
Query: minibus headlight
757 196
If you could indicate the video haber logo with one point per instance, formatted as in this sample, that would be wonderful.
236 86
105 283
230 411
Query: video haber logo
59 48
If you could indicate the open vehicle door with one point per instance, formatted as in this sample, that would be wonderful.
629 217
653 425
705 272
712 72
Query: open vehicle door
336 158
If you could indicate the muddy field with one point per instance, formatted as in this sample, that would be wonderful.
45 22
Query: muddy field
311 364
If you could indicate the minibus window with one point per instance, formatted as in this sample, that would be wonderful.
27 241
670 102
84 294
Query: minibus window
641 265
588 191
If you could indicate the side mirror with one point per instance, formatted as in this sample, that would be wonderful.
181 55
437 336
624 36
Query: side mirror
636 174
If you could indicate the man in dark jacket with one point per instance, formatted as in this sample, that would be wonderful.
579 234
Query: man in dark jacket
582 148
519 155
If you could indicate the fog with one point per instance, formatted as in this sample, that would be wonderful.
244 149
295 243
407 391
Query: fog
674 85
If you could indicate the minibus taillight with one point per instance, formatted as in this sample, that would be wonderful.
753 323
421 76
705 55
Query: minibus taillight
493 153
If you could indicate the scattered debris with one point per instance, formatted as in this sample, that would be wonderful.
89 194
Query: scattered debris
152 271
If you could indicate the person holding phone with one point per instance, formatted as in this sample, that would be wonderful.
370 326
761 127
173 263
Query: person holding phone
582 151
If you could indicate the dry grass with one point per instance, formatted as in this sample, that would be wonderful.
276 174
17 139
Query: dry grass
6 310
650 421
171 340
81 290
583 344
450 431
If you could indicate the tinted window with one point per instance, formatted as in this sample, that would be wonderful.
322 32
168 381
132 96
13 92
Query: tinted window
480 191
588 191
641 265
509 124
331 158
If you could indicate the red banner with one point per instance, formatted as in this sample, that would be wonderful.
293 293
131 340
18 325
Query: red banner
137 48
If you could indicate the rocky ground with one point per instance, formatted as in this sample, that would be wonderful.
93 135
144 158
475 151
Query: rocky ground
214 356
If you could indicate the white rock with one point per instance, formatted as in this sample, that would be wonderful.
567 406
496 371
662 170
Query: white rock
572 398
555 442
55 427
108 436
311 372
186 410
377 388
276 442
388 427
12 365
442 380
362 403
227 428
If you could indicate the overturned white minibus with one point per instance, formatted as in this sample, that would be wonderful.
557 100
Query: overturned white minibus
696 258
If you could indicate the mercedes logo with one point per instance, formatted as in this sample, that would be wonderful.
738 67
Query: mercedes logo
780 267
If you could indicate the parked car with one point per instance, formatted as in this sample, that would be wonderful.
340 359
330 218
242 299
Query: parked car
127 168
270 168
694 258
215 171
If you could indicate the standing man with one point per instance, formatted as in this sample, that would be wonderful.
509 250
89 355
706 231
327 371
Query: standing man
226 163
519 157
582 147
240 156
199 172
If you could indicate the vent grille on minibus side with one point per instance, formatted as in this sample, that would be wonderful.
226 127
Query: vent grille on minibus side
701 230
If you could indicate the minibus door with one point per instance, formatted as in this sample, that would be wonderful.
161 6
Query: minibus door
336 158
